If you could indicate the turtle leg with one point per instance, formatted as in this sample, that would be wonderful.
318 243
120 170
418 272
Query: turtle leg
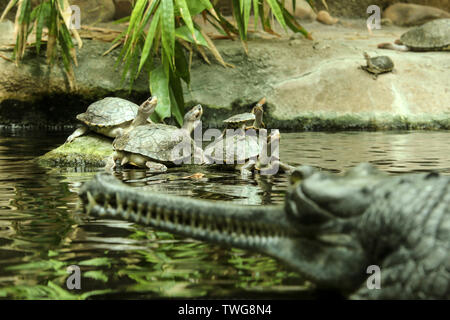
375 76
155 166
285 167
124 161
110 163
247 168
77 133
276 166
199 157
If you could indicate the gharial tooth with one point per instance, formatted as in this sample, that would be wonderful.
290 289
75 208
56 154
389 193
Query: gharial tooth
108 200
158 211
119 203
91 203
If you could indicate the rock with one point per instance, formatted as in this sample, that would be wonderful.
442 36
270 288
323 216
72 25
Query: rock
94 11
6 32
407 14
91 150
123 8
325 18
36 94
308 85
302 11
357 8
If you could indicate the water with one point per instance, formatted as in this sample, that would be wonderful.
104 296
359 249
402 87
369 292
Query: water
42 232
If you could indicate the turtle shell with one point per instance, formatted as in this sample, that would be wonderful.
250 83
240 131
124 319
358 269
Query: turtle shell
240 118
156 141
233 148
109 112
433 35
381 64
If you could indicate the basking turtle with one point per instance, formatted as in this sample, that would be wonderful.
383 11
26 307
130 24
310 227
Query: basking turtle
245 151
268 162
432 36
156 146
110 116
378 65
248 120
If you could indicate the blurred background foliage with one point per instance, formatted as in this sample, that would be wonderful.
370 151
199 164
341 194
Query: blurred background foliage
160 39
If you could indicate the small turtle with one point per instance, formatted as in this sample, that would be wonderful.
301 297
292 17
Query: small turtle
248 120
110 116
268 162
431 36
377 65
156 146
245 151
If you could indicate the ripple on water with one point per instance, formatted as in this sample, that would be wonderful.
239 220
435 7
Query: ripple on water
41 232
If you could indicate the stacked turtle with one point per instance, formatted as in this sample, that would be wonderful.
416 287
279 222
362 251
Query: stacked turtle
242 149
144 144
156 146
112 116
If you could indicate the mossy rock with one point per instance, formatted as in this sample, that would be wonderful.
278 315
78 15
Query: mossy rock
91 151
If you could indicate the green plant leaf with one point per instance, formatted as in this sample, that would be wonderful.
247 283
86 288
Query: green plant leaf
245 10
149 41
197 6
277 12
159 86
184 33
186 15
168 28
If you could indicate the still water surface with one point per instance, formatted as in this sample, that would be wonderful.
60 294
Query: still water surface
42 232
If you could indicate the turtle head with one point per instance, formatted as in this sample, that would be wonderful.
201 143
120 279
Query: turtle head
366 56
192 117
258 111
144 111
149 105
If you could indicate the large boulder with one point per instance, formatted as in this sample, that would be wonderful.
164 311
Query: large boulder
407 14
308 84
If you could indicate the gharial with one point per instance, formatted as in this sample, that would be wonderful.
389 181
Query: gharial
331 228
156 146
110 116
432 36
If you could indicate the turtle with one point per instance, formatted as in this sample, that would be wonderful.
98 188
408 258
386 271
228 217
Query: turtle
431 36
110 116
156 146
248 120
377 65
269 164
243 150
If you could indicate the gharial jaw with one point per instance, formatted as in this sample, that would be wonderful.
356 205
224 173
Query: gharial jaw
269 230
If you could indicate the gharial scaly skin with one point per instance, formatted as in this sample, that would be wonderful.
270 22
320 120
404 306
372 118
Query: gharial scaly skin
331 228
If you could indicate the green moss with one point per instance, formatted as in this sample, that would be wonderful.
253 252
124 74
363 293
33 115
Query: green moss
91 150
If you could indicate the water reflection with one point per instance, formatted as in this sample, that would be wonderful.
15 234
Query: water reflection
41 232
